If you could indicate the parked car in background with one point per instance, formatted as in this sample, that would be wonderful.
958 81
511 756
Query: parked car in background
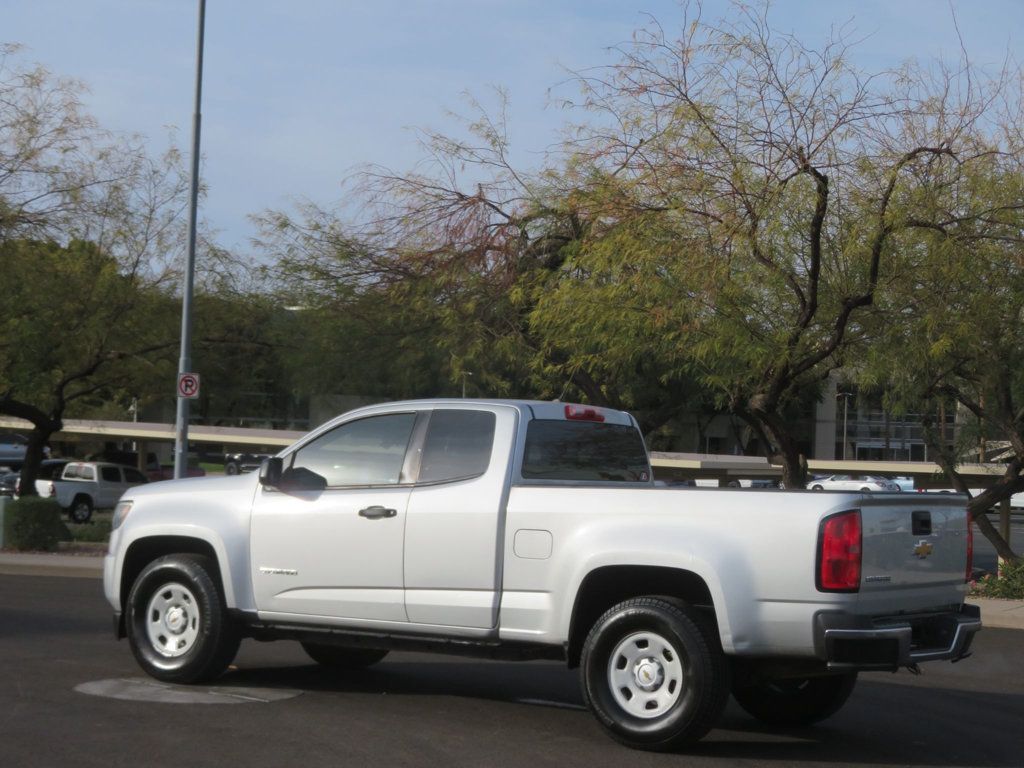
84 486
905 483
49 469
8 482
236 463
12 450
868 483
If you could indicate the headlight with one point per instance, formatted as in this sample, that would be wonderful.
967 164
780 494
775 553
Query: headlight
120 513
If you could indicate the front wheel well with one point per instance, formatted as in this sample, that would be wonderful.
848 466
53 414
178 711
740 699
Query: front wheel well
144 551
604 587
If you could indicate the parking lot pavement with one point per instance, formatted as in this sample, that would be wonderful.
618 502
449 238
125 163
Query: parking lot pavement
419 710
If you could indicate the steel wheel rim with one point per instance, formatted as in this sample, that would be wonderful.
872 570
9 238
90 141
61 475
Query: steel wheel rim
172 620
645 675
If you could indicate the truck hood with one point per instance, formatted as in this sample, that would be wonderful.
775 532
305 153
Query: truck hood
189 485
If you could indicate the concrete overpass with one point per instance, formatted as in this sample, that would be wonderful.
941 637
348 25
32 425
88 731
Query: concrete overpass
681 465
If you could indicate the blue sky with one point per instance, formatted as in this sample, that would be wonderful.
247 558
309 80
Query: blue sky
296 94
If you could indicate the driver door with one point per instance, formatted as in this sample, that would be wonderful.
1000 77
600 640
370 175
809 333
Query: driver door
337 552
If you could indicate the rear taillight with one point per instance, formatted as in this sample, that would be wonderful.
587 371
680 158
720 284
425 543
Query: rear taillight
970 547
839 553
583 413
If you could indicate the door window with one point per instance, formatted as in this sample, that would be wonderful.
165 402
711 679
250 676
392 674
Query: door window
110 474
365 452
457 446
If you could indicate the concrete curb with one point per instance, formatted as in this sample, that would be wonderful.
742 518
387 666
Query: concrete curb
1002 614
46 564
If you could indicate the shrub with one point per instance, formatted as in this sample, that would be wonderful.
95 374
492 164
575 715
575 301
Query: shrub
1010 584
32 523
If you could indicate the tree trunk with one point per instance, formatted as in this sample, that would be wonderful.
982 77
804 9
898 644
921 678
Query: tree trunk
43 427
37 440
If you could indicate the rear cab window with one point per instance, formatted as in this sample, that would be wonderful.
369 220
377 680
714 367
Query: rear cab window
587 448
457 446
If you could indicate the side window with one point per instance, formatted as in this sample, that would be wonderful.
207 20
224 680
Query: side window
86 473
366 452
134 476
457 446
110 474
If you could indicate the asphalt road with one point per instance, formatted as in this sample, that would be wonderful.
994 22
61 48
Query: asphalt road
418 710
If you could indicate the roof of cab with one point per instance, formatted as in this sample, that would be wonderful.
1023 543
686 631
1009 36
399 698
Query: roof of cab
537 409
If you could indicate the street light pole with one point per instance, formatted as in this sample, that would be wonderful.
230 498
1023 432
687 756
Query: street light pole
185 361
846 407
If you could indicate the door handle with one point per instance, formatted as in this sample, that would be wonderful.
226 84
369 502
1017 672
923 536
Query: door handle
376 512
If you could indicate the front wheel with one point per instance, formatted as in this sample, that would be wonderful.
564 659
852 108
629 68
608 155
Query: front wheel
798 701
817 487
178 626
653 673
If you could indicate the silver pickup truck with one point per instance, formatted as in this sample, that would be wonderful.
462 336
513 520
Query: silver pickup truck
535 530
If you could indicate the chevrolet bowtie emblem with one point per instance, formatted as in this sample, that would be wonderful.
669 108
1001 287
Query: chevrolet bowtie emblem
923 549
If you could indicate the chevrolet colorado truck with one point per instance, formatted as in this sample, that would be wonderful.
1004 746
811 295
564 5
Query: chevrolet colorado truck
526 530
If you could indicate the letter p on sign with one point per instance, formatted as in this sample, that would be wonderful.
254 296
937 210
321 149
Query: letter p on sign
188 385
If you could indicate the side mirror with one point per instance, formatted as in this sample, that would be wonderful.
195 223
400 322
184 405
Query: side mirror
301 479
270 472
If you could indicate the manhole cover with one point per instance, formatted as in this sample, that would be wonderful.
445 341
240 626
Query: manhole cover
145 689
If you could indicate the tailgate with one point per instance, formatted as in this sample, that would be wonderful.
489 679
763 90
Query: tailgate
913 540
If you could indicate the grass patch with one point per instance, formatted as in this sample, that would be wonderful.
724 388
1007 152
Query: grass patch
96 530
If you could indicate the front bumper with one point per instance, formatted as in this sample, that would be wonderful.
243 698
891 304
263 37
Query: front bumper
849 642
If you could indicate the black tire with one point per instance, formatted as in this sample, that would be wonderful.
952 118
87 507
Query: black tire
796 702
817 488
80 510
178 627
865 490
685 652
341 657
231 468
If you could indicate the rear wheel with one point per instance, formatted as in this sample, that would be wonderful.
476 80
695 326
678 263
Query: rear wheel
231 468
653 673
797 701
340 657
178 627
80 510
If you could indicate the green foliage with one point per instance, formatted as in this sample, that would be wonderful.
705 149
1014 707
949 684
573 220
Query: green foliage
1009 584
96 530
34 524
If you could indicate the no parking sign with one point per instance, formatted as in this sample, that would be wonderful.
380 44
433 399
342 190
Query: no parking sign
188 385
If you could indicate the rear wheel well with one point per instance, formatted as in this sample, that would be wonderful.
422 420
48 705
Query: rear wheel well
608 586
145 551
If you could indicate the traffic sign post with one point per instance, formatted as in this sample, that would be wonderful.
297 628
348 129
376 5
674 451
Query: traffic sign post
188 385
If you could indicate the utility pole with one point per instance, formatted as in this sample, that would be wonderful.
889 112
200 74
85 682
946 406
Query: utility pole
185 361
846 406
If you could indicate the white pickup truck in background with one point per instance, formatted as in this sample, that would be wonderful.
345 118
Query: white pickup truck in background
535 530
84 486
